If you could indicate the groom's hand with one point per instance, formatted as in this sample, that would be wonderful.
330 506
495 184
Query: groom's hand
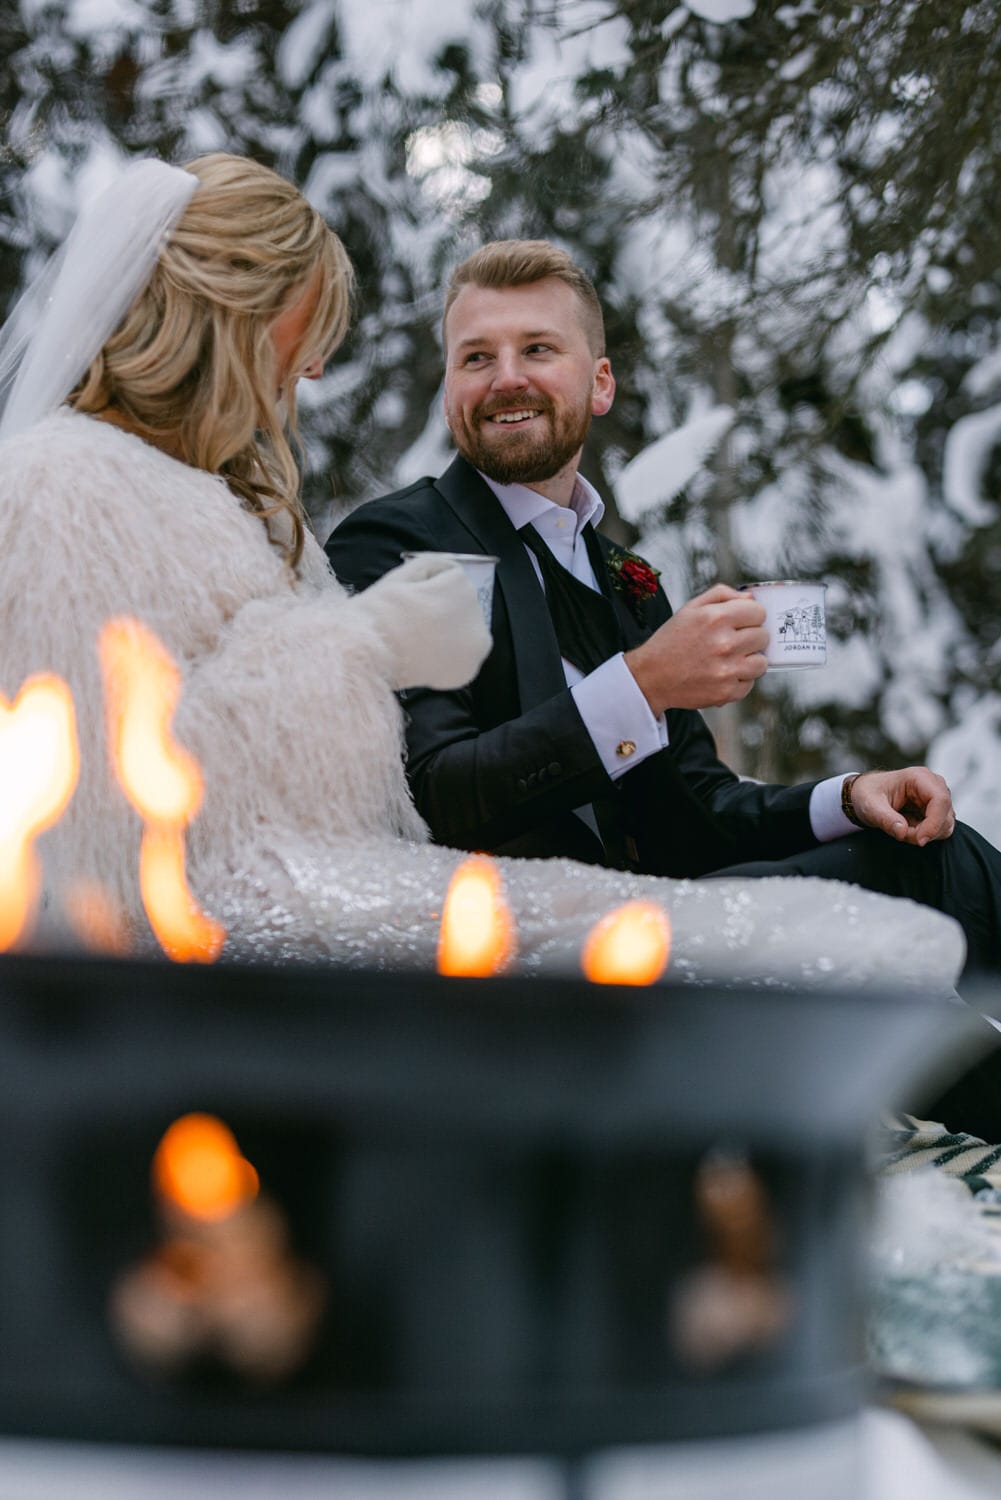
913 806
710 652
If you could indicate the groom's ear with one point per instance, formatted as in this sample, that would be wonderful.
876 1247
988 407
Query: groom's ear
603 390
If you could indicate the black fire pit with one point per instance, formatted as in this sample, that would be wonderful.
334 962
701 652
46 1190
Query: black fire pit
511 1189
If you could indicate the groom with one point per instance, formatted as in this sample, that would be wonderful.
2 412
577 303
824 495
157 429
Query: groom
582 735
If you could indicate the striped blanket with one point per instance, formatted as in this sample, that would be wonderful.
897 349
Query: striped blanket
904 1144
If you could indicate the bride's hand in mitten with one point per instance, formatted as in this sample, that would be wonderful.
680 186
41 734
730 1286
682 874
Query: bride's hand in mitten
428 614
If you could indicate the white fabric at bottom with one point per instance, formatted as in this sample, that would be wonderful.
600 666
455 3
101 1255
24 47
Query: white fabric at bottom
880 1456
379 906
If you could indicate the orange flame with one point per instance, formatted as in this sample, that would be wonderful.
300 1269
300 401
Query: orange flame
182 929
161 780
39 769
142 686
629 946
477 932
198 1168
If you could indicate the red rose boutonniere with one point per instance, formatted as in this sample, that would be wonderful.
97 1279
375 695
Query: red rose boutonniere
632 576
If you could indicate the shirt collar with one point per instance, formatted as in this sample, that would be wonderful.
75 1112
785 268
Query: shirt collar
523 506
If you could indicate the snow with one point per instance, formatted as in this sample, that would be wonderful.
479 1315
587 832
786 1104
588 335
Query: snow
663 469
225 65
303 42
968 755
48 186
318 113
721 11
542 89
432 452
928 1307
852 676
797 65
206 132
983 377
329 175
967 450
882 519
439 156
401 40
84 18
802 233
674 21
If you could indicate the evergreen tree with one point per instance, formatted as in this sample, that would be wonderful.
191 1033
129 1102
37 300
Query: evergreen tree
789 211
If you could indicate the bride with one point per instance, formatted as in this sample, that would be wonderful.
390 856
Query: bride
148 383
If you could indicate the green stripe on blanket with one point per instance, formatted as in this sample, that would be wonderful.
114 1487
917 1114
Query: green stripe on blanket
904 1144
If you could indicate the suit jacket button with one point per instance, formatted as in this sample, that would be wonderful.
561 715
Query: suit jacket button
555 769
522 785
625 748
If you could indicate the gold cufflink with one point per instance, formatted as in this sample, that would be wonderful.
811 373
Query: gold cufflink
625 748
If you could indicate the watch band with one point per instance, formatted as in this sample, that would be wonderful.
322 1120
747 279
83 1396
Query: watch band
847 806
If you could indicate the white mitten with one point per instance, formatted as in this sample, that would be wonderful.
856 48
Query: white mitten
427 612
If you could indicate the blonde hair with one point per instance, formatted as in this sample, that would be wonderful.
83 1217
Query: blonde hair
504 263
192 367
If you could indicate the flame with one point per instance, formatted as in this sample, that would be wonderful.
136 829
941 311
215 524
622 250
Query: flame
477 932
161 780
629 946
142 686
198 1168
20 885
39 769
182 929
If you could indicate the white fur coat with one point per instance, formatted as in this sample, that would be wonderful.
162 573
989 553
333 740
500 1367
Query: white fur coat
286 686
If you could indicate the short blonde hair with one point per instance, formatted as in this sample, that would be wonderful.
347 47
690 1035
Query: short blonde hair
504 263
192 362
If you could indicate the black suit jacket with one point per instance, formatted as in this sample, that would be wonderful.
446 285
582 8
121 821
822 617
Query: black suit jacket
501 764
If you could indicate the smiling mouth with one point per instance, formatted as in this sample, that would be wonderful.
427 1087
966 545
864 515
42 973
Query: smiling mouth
513 418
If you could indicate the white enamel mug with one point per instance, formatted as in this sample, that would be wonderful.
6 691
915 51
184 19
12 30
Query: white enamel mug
796 622
479 568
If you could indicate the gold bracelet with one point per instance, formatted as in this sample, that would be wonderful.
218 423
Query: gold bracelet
847 806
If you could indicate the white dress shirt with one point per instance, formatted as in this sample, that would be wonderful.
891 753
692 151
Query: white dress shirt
609 700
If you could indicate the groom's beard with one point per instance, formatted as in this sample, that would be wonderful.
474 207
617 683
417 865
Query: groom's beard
516 455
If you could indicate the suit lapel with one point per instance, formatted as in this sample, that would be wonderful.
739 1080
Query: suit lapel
537 660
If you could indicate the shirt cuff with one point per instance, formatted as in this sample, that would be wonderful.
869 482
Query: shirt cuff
618 718
826 818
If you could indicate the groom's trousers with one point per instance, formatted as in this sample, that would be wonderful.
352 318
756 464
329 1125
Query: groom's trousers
960 876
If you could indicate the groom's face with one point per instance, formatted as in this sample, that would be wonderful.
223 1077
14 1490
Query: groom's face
521 380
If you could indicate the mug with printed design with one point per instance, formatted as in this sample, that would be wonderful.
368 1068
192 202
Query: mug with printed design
796 621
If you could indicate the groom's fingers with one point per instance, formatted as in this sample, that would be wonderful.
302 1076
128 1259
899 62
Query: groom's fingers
913 806
710 652
937 817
